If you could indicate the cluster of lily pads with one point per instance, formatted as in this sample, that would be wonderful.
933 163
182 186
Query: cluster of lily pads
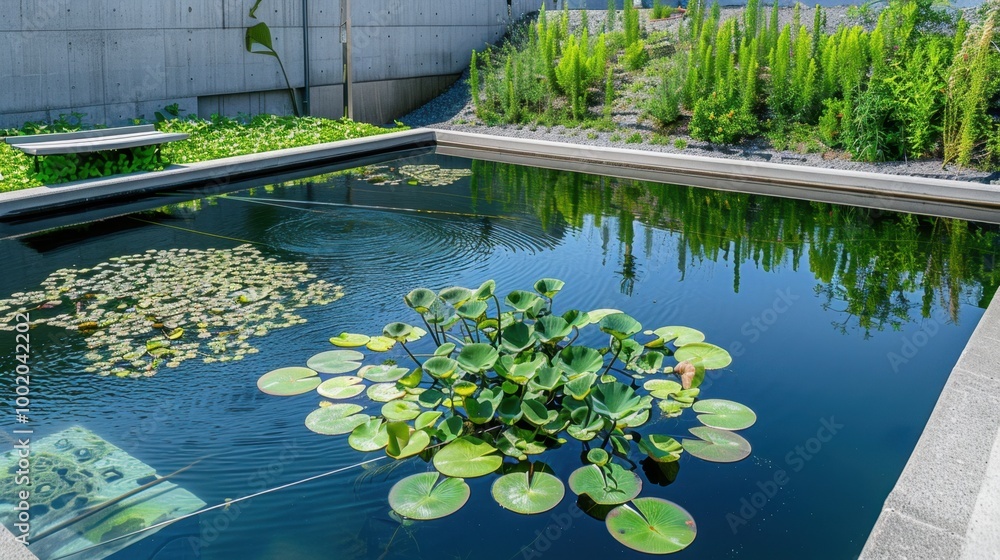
510 380
431 175
159 308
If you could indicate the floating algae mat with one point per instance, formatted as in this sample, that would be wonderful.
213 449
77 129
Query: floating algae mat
159 308
430 175
76 469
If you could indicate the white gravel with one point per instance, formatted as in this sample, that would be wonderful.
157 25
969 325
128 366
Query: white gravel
453 110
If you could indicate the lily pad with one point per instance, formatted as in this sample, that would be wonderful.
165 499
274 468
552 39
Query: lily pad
725 415
288 381
349 340
370 436
597 314
680 336
467 457
382 373
397 331
614 400
552 328
336 361
380 344
652 526
343 387
384 392
426 419
717 446
662 388
420 299
477 357
528 495
419 496
400 411
606 485
579 359
336 419
660 448
440 367
549 287
620 325
704 354
404 441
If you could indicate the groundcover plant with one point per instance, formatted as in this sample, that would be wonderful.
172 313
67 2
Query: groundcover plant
509 378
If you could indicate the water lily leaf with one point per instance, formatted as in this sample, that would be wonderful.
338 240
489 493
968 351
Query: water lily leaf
620 325
419 496
420 300
485 290
686 396
471 310
725 415
546 378
635 419
704 354
652 526
467 457
607 485
175 334
455 296
445 349
426 419
662 388
577 318
526 494
614 400
370 436
400 410
440 313
450 429
464 388
521 300
416 334
598 456
403 441
476 357
597 314
717 446
412 379
680 336
517 337
650 362
288 381
536 413
397 331
385 392
509 410
480 410
341 387
552 328
575 360
350 340
383 373
671 408
521 373
580 386
660 448
336 361
336 419
440 367
380 344
549 287
430 398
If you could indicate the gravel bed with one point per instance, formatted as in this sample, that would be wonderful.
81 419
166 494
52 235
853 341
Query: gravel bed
453 110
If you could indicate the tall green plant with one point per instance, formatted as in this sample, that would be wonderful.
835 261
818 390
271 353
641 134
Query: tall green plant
973 82
258 41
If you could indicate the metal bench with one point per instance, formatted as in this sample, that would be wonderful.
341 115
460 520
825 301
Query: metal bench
87 141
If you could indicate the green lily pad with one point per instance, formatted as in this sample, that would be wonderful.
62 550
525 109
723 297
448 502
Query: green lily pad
597 314
430 398
370 436
598 456
662 388
704 354
539 493
380 344
577 318
686 396
485 290
412 379
717 446
397 331
581 386
477 357
426 419
343 387
455 296
404 441
471 310
517 337
464 388
652 526
450 429
336 361
607 485
385 392
400 411
549 287
660 448
420 300
349 340
288 381
725 415
650 362
445 349
521 300
680 336
336 419
419 496
382 373
480 411
614 400
552 328
467 457
575 360
440 367
620 325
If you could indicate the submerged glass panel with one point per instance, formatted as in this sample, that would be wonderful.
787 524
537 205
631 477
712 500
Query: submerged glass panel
843 324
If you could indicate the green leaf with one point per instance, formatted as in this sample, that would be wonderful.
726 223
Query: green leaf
517 337
405 442
620 325
259 34
552 328
607 485
546 378
580 386
598 456
450 429
343 387
536 413
480 410
660 448
680 336
455 296
717 446
397 331
662 388
288 381
426 419
476 357
370 436
614 400
400 410
467 457
412 379
336 419
549 287
725 415
521 300
336 361
445 349
417 497
652 526
430 398
509 410
577 318
471 310
485 290
650 362
528 495
575 360
380 344
382 373
440 367
420 300
350 340
704 354
597 314
385 392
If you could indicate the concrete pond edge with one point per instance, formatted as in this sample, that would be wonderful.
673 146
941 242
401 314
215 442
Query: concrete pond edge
945 503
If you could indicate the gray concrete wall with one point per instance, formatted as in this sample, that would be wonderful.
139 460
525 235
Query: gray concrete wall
115 60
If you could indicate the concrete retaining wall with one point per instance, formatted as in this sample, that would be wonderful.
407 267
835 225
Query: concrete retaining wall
115 60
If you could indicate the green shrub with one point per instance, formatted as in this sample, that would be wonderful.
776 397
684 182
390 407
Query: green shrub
660 10
973 82
680 143
634 138
720 122
474 83
664 107
630 20
829 121
636 56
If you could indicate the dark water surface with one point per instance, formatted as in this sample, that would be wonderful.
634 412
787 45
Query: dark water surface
843 324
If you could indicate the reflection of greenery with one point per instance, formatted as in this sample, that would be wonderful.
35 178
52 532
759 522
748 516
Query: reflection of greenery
868 262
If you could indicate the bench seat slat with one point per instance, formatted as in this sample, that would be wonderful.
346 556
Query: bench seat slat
80 134
86 145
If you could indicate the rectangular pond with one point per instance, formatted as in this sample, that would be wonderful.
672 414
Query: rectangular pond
151 328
